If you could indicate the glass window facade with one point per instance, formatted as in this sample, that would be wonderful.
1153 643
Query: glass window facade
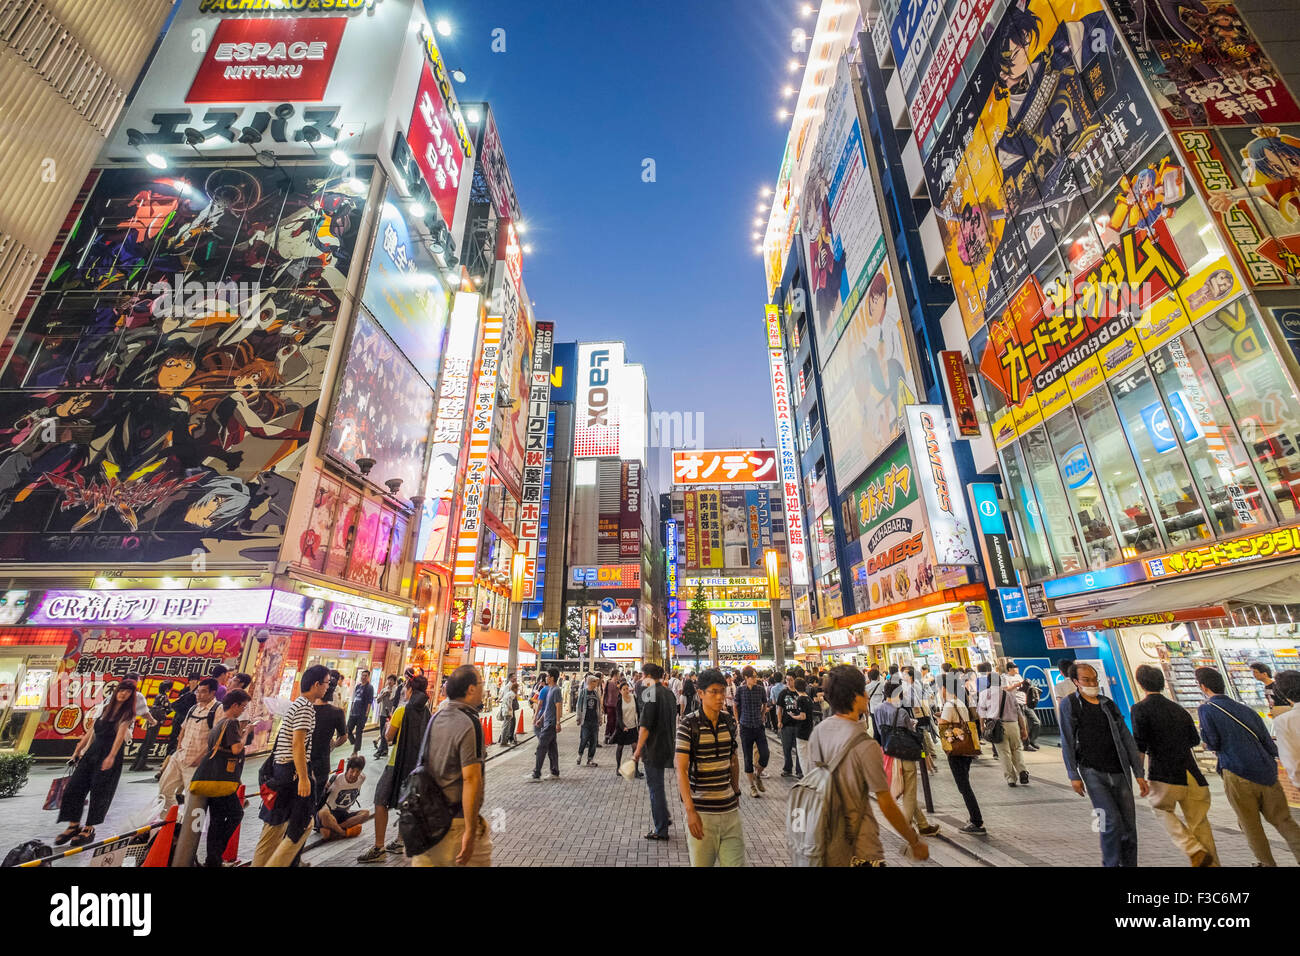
1197 441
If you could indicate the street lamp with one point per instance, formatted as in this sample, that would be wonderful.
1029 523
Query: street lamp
774 603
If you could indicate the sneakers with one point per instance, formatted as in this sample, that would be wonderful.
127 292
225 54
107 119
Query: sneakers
396 846
930 830
758 779
579 763
973 828
592 763
753 790
533 776
1024 776
656 836
555 775
1011 783
373 855
786 773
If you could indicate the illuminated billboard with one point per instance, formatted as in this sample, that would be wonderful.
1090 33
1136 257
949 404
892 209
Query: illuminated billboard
596 424
732 466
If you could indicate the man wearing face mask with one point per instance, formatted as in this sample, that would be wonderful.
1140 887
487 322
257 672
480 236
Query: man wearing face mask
1099 756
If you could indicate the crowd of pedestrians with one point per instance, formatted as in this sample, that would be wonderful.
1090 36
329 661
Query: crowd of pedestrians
852 744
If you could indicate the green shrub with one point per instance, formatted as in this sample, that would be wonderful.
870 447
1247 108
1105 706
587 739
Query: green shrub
13 772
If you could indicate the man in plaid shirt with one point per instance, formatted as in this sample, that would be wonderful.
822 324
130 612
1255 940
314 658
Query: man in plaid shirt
751 707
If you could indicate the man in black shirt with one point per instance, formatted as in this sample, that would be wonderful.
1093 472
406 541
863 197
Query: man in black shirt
363 695
1166 733
657 744
789 716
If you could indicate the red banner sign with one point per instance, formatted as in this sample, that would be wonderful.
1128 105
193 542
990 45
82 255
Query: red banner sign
963 404
256 60
732 466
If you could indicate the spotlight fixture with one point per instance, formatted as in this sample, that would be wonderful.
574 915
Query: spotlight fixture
782 114
156 160
338 157
265 158
284 111
193 137
249 136
459 76
443 27
473 115
417 210
309 135
765 191
794 65
528 248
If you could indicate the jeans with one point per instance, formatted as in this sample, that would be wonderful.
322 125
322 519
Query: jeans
749 737
356 726
723 843
1033 725
1112 798
960 767
789 734
654 781
547 746
587 740
381 744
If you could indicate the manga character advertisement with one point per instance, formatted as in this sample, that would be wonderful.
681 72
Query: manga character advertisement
868 380
1202 63
1050 118
97 658
158 397
383 411
841 219
1140 271
1251 177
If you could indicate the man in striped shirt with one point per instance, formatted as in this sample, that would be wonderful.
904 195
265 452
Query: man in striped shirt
708 777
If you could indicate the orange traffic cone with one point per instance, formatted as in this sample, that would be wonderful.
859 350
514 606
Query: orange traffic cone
487 731
520 728
340 767
160 851
231 852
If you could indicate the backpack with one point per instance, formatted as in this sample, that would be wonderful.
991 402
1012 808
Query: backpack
426 815
692 724
1031 695
811 810
26 852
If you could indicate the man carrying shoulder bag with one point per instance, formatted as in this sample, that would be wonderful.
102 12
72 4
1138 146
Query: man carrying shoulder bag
1001 726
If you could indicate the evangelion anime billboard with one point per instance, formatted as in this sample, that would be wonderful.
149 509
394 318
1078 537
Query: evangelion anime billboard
159 396
1051 118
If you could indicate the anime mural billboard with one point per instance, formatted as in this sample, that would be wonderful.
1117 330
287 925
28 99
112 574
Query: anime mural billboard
1050 119
158 398
1203 65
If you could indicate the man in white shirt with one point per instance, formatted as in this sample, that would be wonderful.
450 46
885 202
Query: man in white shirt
1286 726
998 701
192 744
1063 688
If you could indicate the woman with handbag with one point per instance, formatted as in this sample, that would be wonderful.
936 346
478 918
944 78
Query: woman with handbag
959 731
98 765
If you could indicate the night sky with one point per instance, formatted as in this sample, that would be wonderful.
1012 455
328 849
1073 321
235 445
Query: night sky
583 94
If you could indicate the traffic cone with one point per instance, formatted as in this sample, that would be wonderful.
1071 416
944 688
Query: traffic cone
231 853
160 851
339 769
487 731
520 728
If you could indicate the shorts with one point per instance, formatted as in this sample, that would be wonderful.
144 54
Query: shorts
387 792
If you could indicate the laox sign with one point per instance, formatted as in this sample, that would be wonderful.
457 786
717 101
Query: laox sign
598 389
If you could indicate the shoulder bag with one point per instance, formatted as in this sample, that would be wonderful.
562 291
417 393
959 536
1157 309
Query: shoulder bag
903 743
960 738
217 774
993 731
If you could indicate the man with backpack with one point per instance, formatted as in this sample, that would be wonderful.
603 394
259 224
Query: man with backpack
454 756
1027 697
904 743
1001 714
830 822
654 746
708 777
192 743
404 734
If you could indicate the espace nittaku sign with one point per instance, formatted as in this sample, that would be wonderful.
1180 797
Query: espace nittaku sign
255 60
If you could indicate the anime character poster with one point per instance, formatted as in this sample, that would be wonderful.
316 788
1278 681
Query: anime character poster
383 411
868 380
841 218
1050 118
1203 65
1264 188
158 398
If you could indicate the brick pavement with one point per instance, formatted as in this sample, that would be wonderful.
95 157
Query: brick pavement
592 817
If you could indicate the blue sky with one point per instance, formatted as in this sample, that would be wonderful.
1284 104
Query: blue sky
583 94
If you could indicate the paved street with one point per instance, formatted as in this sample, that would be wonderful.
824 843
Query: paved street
593 817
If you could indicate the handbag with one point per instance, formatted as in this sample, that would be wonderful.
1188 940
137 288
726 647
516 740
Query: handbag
960 738
217 774
266 774
993 731
54 796
903 743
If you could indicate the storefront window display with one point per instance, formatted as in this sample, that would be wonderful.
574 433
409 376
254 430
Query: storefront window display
1053 508
1204 429
1082 489
1260 396
1038 554
1168 481
1120 482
